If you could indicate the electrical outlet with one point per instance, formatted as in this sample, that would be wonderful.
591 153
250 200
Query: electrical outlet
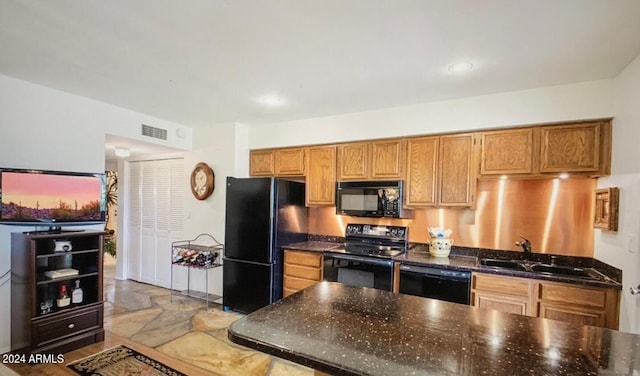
631 243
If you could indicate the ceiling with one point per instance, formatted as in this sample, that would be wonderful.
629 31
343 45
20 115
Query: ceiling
201 62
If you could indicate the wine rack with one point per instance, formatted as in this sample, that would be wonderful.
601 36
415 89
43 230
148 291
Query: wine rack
203 252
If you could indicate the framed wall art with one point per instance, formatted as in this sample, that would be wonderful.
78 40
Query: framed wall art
606 209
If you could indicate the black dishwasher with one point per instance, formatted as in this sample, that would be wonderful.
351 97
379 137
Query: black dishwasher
443 284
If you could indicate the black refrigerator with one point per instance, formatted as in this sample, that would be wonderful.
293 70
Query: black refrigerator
262 215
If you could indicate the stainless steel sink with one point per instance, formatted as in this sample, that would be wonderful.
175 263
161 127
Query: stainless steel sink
505 264
560 270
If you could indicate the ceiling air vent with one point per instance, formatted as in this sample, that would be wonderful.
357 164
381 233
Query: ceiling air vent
154 132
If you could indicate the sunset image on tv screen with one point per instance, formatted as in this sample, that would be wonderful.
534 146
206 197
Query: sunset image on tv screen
47 196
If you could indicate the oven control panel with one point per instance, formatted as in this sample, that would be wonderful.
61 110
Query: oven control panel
377 230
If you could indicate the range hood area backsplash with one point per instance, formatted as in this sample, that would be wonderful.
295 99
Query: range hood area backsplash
556 215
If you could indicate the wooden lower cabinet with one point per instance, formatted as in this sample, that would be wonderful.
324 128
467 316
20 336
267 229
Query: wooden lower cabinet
505 294
301 270
578 304
508 304
552 300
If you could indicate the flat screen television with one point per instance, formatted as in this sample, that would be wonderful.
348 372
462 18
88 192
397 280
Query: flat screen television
51 197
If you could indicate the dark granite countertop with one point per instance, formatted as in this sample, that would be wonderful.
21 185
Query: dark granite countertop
313 246
465 262
467 259
344 330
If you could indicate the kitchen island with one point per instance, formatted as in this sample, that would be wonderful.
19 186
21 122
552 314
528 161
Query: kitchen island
344 330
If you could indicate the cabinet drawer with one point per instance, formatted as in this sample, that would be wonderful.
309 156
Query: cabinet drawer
293 283
500 284
66 325
573 295
303 258
302 272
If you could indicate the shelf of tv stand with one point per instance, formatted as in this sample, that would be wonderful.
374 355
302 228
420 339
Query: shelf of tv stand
59 254
65 278
70 308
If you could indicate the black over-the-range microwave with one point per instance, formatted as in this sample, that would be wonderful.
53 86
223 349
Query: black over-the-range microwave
370 199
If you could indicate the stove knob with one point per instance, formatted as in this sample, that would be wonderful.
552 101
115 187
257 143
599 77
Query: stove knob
394 231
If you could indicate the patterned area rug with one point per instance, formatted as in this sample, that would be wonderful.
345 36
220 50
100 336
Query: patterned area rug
121 360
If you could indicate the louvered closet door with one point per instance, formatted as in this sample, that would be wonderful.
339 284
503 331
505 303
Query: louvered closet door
148 234
169 221
161 196
134 216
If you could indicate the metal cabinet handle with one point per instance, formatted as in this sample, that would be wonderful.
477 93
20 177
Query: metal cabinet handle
635 290
71 326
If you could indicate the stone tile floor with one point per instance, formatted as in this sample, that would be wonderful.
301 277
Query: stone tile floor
182 327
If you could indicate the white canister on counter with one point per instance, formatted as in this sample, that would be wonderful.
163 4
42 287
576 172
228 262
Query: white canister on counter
440 247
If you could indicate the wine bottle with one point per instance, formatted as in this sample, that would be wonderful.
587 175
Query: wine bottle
63 298
77 295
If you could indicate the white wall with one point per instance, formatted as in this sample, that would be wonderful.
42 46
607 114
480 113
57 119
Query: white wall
620 248
586 100
47 129
224 148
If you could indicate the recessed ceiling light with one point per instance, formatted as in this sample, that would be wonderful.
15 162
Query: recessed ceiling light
272 100
460 67
122 152
563 175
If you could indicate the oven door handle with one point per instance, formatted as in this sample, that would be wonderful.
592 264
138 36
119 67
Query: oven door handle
366 260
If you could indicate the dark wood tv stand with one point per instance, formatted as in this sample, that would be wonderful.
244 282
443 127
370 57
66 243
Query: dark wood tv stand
36 328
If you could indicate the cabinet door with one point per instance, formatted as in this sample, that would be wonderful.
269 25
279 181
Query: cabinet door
570 148
353 161
261 163
387 159
509 304
289 162
502 293
456 170
572 314
507 152
321 176
422 167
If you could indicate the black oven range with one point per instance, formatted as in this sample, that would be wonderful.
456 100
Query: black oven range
366 260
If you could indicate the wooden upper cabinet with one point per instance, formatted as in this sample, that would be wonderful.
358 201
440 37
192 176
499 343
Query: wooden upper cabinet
457 170
573 147
422 169
289 162
353 161
321 176
507 152
371 160
261 163
387 159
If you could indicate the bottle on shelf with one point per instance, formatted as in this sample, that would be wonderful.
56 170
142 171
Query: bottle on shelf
77 294
63 298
